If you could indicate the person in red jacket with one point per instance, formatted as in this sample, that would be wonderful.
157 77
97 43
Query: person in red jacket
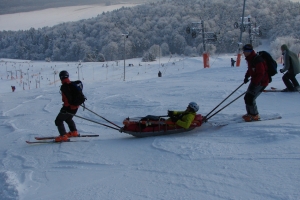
257 70
67 108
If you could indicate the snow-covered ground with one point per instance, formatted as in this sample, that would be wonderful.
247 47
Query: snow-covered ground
239 161
53 16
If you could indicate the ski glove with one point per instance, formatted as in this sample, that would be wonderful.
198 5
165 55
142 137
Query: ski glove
281 70
170 113
246 80
174 119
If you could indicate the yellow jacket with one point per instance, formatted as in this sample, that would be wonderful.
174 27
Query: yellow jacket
185 119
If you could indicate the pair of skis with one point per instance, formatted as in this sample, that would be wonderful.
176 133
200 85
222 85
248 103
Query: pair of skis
220 124
51 139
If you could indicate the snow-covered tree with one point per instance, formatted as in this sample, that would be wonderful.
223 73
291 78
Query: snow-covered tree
292 43
101 57
148 57
161 23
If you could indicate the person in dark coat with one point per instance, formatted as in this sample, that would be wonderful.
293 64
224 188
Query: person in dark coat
67 107
292 66
257 70
232 62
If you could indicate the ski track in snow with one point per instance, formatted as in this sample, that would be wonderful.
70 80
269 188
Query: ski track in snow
8 184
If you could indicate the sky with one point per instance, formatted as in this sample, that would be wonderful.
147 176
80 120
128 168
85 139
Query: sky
258 160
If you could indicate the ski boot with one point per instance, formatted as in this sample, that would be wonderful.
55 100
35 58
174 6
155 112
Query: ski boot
62 138
72 134
250 118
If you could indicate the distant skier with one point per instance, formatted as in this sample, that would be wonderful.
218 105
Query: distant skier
292 66
159 74
67 107
184 118
232 62
257 70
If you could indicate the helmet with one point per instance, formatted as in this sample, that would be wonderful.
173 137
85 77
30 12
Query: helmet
194 106
63 74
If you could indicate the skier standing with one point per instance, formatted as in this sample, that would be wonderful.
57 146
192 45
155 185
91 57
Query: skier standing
67 107
232 62
292 66
257 70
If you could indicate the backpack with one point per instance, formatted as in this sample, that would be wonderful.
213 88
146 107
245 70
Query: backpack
77 97
270 62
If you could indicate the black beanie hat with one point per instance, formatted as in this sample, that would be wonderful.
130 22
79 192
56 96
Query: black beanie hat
247 48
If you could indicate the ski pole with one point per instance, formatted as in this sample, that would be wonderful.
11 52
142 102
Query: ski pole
163 116
100 116
223 101
225 106
92 121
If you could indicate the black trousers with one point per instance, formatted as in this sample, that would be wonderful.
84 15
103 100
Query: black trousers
250 98
62 117
290 81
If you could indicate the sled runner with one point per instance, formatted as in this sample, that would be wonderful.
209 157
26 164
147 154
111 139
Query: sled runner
155 125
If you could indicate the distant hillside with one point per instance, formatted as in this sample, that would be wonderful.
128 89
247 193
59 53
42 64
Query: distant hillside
15 6
156 28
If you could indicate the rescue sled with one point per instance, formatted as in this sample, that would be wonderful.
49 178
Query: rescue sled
155 126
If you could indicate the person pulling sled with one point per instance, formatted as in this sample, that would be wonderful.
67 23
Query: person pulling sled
257 70
69 108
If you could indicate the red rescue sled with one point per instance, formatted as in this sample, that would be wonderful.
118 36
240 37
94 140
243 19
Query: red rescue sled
155 126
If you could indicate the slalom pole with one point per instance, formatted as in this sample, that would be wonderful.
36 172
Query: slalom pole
225 106
92 121
223 101
100 116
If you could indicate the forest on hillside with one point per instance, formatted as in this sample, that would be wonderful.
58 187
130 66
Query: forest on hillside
156 29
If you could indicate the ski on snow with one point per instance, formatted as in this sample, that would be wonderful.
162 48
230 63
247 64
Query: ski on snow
233 122
273 89
46 142
53 137
50 139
